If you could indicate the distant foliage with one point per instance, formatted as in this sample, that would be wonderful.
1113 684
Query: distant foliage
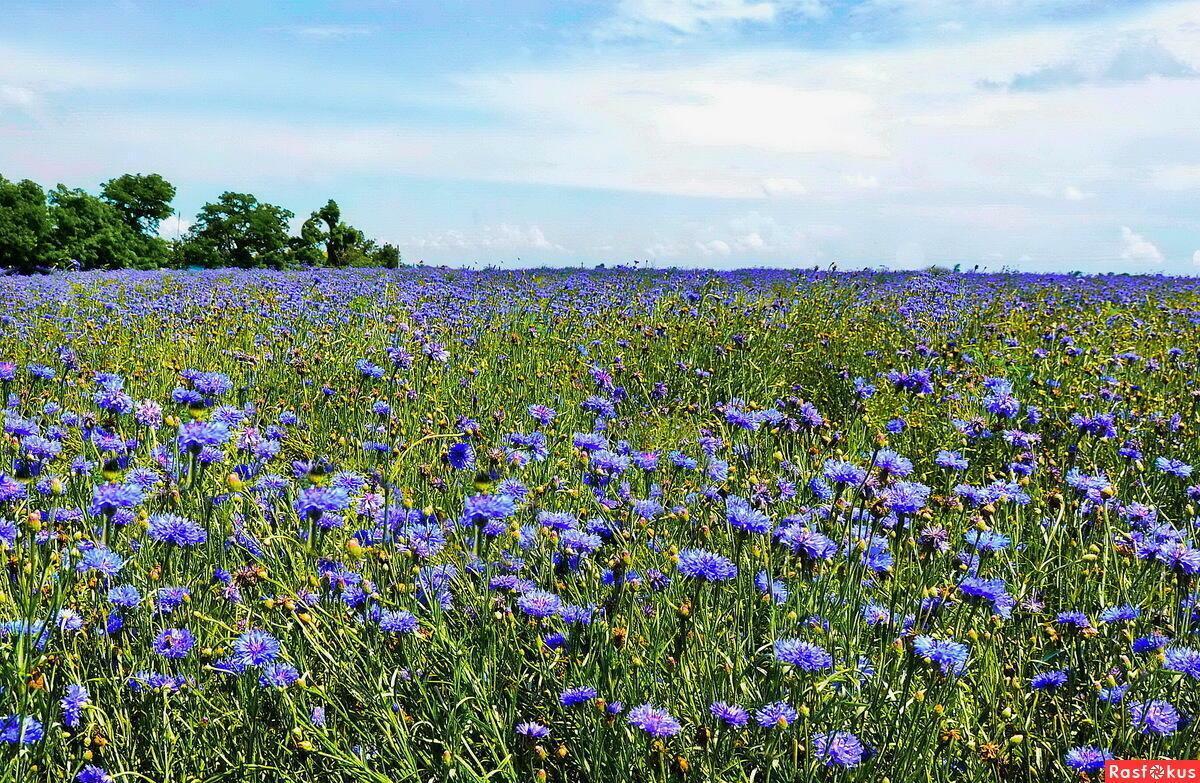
69 228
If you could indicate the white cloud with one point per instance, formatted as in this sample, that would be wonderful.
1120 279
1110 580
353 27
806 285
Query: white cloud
330 32
1135 247
1129 58
1066 193
17 97
769 117
174 227
640 18
862 181
1196 258
1176 177
783 186
502 236
748 237
714 247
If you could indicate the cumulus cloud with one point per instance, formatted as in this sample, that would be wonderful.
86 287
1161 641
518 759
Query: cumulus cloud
502 236
1136 59
749 237
1135 247
1196 258
174 227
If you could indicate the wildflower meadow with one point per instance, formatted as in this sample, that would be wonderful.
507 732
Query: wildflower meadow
427 524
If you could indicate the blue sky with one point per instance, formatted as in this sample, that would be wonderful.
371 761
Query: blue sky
1033 134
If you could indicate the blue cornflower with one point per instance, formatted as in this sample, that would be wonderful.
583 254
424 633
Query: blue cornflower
1173 467
461 456
481 509
810 544
93 774
1117 614
1074 618
391 621
579 695
841 472
278 674
73 702
709 566
255 648
775 588
125 596
539 603
1183 659
107 499
987 540
1113 695
197 435
803 655
15 729
314 502
174 529
1049 680
533 730
742 516
950 656
893 464
542 414
100 559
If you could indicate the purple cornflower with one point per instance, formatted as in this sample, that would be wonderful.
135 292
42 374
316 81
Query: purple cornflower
838 749
1154 717
731 714
174 643
777 714
1088 759
654 721
539 603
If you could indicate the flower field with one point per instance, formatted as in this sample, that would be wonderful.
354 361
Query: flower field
611 525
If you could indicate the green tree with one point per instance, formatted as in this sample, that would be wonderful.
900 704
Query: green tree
342 242
25 227
143 200
89 232
386 256
238 230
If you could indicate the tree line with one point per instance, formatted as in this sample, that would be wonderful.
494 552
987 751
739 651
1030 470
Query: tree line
70 228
